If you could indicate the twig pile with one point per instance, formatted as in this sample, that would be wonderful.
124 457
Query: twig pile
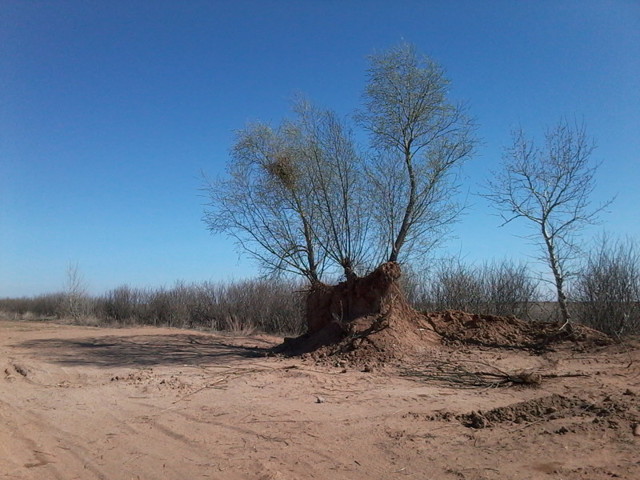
465 376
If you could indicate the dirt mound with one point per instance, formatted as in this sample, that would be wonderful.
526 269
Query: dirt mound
355 298
367 341
363 321
379 339
612 411
551 407
367 321
456 327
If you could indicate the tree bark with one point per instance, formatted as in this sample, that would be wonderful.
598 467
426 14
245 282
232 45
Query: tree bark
408 213
558 278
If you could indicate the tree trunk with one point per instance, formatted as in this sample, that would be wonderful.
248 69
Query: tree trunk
408 213
558 279
312 274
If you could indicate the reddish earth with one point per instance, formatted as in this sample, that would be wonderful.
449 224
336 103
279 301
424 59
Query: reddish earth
455 396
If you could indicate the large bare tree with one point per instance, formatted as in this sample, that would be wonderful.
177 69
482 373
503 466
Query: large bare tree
419 138
550 187
300 198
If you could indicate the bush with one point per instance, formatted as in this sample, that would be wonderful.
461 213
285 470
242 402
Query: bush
607 289
456 286
270 306
501 288
122 304
41 306
509 289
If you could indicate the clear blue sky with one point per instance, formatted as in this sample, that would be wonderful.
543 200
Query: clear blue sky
109 111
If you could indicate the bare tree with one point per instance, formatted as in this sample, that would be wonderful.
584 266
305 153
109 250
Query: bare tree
419 138
76 298
265 204
293 199
549 187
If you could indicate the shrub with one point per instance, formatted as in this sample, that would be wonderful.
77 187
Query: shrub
509 289
503 288
456 286
41 306
607 289
271 306
122 304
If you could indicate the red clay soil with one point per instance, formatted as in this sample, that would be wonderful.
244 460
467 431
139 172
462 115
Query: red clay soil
375 293
613 411
367 321
457 327
364 320
157 403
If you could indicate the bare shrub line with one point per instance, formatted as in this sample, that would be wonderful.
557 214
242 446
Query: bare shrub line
265 305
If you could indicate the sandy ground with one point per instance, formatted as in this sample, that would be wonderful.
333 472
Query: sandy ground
143 403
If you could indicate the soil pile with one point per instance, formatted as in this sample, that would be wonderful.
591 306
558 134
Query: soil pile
379 339
457 327
362 321
614 411
368 321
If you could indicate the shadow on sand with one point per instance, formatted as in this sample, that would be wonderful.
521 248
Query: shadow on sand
145 350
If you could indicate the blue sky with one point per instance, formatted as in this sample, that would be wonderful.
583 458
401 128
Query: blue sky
109 111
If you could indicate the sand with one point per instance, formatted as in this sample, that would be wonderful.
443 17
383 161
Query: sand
149 403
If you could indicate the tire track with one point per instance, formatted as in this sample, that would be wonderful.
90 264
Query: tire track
23 451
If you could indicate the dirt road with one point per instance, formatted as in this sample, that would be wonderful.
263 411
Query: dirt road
144 403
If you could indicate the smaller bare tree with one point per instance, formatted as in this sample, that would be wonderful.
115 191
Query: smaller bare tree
76 298
550 187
